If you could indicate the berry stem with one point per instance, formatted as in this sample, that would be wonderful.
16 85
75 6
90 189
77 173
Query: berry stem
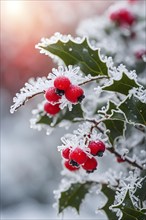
43 92
92 79
29 97
133 163
112 150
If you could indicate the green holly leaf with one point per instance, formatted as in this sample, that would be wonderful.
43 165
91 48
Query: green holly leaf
116 128
128 217
127 207
76 112
141 192
134 110
122 86
112 112
110 107
138 215
80 54
74 196
110 194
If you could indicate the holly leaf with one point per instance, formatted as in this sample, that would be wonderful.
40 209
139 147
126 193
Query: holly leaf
112 112
136 214
122 86
116 128
80 54
128 217
141 192
134 110
74 196
110 194
76 112
127 207
110 107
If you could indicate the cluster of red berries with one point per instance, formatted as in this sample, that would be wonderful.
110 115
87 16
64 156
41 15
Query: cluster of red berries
76 158
62 86
123 17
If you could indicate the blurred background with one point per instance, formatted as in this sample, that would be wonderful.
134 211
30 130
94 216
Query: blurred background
30 164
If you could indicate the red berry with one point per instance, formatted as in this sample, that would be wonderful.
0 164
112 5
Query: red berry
51 95
90 165
65 153
77 156
139 54
114 16
51 109
74 94
96 148
120 160
69 166
62 83
122 17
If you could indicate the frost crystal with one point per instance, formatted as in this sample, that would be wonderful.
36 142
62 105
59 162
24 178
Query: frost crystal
40 85
139 93
54 39
81 138
31 89
127 185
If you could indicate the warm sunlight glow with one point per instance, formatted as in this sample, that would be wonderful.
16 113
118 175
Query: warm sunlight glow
14 8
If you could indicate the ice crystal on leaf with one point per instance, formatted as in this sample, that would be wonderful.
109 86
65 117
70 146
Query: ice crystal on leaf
128 185
139 93
54 39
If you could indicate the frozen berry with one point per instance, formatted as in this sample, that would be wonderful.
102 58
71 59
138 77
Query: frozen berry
120 160
62 83
114 16
74 94
97 148
90 165
77 156
51 109
65 153
139 54
123 17
69 166
51 95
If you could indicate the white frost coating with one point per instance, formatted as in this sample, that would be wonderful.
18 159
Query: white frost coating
102 33
127 185
139 93
40 85
117 73
64 39
54 39
31 89
80 138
